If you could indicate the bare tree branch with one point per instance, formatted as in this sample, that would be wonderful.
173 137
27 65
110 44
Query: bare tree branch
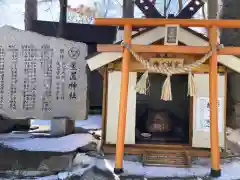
204 13
166 6
180 5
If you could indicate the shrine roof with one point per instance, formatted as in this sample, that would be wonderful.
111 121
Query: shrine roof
148 36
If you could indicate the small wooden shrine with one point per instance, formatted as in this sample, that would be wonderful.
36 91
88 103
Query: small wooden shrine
165 91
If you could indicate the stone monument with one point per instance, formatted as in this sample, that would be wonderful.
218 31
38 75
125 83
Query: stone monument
42 77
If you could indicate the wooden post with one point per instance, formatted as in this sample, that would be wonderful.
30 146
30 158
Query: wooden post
213 80
123 102
151 22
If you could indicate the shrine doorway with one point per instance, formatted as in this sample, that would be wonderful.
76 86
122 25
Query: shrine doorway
163 122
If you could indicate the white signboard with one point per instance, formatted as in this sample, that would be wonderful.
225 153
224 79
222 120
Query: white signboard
42 77
203 114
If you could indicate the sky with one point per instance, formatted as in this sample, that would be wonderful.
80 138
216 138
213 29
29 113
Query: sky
12 11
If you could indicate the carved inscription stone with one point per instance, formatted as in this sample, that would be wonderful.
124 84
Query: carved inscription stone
42 77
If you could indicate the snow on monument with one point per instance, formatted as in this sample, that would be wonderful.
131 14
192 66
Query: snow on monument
42 77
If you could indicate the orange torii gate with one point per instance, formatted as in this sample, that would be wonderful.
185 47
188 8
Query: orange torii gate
212 25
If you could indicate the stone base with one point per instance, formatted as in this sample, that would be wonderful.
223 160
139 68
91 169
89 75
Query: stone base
118 171
215 173
61 127
8 125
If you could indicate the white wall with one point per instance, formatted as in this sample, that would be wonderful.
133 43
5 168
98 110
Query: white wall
114 83
201 137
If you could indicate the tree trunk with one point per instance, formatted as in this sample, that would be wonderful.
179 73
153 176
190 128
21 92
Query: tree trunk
30 13
128 8
62 18
213 9
231 37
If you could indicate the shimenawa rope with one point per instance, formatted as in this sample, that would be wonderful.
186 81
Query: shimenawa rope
166 94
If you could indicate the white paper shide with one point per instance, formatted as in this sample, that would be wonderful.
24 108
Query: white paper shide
203 114
42 77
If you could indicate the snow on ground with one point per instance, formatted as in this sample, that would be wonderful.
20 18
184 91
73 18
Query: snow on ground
230 170
200 168
60 144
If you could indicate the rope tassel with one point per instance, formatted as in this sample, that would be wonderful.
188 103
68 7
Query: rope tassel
142 85
166 89
191 85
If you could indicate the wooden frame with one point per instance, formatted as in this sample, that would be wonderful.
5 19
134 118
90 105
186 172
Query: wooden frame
197 152
213 74
225 110
135 66
191 121
153 22
153 145
169 49
104 105
140 149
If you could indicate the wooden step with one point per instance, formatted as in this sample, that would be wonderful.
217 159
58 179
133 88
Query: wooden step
172 159
140 149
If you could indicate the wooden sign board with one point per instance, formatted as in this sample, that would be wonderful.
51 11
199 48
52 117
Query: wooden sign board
171 35
203 114
169 62
41 77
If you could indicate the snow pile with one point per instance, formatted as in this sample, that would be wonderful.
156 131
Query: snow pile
93 122
62 144
233 135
